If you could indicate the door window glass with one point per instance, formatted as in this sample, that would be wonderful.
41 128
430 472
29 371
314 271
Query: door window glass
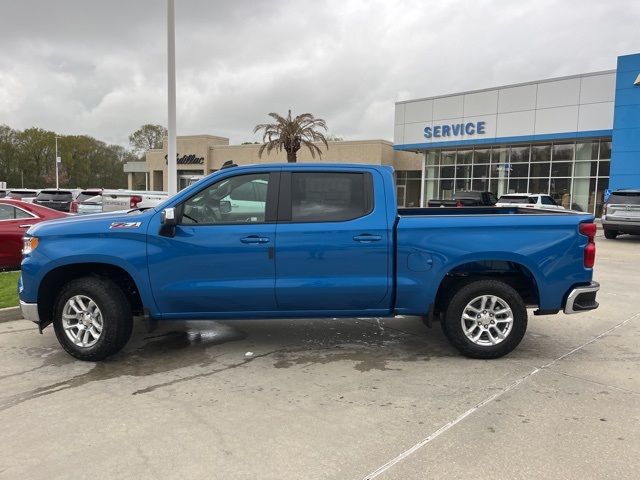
329 197
7 212
240 199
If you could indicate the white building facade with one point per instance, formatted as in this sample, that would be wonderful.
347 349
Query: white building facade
550 136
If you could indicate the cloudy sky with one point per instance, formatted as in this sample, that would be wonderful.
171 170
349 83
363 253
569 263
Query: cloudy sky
99 67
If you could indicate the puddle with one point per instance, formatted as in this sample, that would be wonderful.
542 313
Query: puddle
367 344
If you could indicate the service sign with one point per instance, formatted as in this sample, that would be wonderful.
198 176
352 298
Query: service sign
455 130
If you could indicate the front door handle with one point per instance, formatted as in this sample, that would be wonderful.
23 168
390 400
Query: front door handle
254 239
367 237
24 226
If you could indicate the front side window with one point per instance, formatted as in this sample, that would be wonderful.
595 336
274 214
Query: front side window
330 197
7 212
240 199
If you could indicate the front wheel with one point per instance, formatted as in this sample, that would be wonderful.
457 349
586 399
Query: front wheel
485 319
93 318
610 234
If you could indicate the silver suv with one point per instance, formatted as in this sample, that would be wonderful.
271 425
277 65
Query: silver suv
622 213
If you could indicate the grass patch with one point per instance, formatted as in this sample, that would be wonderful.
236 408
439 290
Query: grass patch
9 289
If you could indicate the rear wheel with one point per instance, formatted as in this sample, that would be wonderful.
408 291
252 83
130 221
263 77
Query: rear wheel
485 319
610 234
93 318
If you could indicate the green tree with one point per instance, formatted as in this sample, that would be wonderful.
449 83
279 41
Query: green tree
147 137
290 134
36 155
9 165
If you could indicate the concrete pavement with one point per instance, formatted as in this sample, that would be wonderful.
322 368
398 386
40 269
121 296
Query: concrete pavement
334 399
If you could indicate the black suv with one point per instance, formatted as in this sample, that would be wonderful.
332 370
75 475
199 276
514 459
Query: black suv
57 199
622 213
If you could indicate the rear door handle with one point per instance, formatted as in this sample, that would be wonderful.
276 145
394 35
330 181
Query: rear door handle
24 226
366 237
254 239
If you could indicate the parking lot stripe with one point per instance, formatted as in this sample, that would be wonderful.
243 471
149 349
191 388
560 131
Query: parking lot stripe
511 386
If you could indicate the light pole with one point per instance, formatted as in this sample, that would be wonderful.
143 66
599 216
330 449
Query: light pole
172 174
57 163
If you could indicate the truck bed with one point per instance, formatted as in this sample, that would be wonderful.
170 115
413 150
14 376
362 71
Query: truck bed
431 243
441 211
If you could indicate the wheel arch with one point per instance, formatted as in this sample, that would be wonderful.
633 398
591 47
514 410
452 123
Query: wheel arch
514 273
53 281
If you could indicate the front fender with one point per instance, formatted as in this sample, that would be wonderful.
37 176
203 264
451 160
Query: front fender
129 254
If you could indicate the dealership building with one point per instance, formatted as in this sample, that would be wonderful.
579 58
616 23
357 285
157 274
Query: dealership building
571 137
200 155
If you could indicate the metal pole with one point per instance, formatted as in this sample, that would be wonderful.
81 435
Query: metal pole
57 161
172 174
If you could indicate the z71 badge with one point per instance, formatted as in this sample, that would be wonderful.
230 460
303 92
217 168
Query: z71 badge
125 225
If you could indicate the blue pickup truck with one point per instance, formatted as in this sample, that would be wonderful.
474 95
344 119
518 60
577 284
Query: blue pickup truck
311 240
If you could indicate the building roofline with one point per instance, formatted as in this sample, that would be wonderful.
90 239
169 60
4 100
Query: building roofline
330 142
511 85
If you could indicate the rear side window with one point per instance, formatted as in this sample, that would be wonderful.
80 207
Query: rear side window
330 197
547 201
625 198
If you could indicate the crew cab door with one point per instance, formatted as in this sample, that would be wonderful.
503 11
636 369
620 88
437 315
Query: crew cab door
333 245
220 257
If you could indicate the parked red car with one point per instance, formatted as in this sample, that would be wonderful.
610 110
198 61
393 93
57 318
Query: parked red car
15 218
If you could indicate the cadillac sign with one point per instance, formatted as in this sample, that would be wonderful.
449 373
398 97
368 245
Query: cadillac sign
187 159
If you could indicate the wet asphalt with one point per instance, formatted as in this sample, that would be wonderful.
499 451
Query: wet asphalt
334 399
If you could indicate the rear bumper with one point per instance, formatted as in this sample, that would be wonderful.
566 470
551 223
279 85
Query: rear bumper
30 311
582 299
632 227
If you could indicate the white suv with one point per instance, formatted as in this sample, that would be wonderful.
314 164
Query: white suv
528 200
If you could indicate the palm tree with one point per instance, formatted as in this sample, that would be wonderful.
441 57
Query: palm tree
292 133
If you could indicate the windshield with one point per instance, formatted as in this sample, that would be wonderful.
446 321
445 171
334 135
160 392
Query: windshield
625 198
56 196
22 194
88 195
514 199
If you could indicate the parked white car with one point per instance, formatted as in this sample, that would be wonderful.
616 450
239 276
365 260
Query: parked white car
24 194
528 200
114 200
90 205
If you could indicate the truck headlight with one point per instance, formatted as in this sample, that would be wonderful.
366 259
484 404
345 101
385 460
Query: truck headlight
29 244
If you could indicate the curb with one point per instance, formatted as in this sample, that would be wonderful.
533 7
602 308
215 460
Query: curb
10 314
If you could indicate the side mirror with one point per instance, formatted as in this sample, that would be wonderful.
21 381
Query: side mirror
168 222
225 207
168 217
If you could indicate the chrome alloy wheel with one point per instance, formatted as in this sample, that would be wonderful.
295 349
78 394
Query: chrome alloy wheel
487 320
82 321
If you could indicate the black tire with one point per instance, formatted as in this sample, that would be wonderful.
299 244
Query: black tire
610 234
452 323
116 315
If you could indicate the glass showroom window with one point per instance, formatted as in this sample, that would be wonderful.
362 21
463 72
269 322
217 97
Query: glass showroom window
408 187
481 165
431 175
574 173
